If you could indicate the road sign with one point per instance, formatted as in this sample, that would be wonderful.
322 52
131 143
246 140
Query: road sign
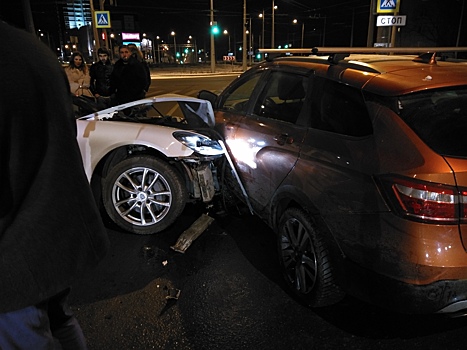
102 19
229 58
386 21
385 6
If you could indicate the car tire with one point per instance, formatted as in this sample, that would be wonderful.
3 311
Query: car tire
305 260
143 195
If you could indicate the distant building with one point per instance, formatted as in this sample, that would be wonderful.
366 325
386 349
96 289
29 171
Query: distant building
77 14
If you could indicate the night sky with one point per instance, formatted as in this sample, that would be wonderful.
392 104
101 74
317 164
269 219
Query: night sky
328 22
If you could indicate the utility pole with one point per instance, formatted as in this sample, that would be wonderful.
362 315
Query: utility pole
94 31
371 25
460 25
244 50
272 33
106 41
213 52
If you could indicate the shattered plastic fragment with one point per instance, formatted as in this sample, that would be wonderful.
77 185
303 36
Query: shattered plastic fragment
193 232
173 293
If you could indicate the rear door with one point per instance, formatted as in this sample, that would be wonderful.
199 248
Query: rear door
265 142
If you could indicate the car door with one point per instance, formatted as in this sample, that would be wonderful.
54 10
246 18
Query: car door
265 141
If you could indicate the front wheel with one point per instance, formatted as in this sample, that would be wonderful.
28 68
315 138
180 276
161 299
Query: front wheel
305 260
143 195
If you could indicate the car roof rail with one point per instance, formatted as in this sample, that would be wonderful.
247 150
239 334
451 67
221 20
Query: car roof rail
426 54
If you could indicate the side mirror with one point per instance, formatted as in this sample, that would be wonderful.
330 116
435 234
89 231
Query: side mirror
209 96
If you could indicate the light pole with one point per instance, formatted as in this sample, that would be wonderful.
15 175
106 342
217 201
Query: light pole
175 46
158 50
213 48
192 43
112 36
274 8
244 65
226 32
261 15
295 21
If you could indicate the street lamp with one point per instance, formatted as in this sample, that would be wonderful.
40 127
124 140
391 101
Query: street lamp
158 50
226 32
261 15
112 36
274 8
213 47
295 21
175 46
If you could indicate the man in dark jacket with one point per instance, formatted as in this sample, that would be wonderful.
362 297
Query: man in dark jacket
128 79
100 72
50 229
136 53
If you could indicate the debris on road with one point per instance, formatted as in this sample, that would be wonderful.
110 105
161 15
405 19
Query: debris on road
173 293
193 232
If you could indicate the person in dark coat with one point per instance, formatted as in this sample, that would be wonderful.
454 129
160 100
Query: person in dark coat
50 228
128 79
100 72
139 56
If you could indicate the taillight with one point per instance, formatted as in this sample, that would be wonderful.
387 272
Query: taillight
464 206
425 201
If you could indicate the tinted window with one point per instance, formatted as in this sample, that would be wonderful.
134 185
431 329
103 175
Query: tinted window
339 108
282 97
238 97
439 118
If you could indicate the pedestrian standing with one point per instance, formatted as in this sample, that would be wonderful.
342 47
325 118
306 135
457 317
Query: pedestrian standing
128 78
50 229
100 73
78 75
139 56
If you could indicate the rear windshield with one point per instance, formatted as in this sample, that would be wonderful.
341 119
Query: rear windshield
439 117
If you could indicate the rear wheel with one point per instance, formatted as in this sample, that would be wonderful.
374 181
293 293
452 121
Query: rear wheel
143 195
305 260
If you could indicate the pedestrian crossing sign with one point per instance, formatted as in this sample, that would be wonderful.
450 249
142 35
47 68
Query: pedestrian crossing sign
385 6
102 19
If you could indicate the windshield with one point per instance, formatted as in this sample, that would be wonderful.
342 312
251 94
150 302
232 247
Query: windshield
439 117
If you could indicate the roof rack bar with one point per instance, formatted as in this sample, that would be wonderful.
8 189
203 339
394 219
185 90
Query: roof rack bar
331 50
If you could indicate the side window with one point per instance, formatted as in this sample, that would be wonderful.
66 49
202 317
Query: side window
339 108
282 97
237 99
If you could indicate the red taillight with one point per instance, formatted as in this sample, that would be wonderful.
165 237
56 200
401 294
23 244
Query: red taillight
425 201
464 206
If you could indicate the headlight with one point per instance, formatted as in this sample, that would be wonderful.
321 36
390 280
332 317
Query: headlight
199 143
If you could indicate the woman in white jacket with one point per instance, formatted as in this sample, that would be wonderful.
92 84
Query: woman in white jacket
78 75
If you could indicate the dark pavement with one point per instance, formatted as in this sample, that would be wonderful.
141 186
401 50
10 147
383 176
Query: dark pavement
231 297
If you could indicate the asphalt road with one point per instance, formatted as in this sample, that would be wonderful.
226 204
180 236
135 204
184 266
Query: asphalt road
225 292
185 80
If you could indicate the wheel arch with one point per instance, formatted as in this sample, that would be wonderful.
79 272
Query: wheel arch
292 197
120 153
287 197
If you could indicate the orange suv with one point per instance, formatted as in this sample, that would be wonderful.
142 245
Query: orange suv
358 161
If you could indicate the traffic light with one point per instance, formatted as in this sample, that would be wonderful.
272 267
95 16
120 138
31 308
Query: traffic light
214 28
